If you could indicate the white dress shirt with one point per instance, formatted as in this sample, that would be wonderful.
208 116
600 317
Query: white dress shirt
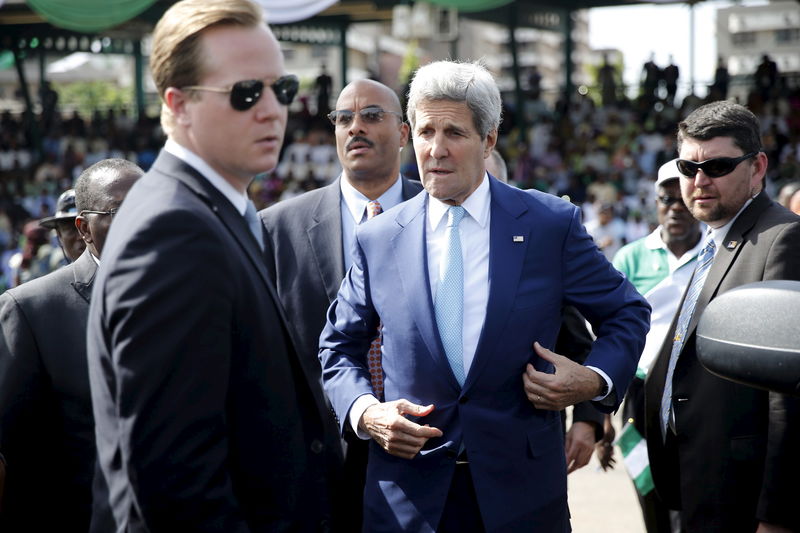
474 230
238 199
719 234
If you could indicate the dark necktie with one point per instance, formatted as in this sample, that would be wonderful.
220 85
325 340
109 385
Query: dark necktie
375 370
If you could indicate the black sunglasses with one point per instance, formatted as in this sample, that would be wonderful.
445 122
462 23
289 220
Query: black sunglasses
669 200
713 168
245 94
370 115
111 212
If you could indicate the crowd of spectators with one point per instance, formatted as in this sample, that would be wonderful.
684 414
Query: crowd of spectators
602 157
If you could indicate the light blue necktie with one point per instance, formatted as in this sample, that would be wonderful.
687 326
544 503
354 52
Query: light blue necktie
449 304
704 261
251 217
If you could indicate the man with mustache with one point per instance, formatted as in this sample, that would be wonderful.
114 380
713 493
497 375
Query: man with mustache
724 454
466 282
311 236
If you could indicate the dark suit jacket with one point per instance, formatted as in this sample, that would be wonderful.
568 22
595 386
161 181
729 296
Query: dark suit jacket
46 425
306 262
735 458
206 418
540 259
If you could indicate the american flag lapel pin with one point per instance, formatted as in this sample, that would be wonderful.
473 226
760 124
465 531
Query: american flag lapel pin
518 238
730 245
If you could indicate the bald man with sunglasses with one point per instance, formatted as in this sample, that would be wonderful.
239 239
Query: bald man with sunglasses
207 419
311 236
725 455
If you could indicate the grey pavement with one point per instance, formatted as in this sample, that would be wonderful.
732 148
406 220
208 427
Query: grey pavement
604 502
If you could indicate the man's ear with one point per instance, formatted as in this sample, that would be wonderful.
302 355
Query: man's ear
405 132
175 100
83 228
491 140
759 170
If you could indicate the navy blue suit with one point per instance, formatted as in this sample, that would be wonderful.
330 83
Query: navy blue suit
515 451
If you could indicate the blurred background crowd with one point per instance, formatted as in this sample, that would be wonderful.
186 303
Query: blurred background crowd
602 155
600 148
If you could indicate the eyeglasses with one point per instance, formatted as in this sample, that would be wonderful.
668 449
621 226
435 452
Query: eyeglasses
370 115
713 168
111 212
667 201
245 94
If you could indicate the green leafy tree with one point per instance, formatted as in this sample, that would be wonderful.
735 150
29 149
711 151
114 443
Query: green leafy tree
86 96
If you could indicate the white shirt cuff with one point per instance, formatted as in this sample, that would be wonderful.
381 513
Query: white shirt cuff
357 410
609 384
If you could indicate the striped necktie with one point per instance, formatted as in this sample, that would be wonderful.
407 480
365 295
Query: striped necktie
374 358
704 261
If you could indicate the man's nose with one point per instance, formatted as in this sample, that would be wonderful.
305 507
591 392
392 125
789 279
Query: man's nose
439 147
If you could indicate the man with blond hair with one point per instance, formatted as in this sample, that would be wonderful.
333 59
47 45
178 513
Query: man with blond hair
206 418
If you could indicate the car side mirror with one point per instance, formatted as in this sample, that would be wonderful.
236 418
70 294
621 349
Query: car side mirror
751 335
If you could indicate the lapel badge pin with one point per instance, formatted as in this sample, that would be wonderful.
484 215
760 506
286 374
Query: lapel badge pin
518 238
731 245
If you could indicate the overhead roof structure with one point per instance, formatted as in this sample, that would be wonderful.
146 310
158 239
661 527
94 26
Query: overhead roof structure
117 26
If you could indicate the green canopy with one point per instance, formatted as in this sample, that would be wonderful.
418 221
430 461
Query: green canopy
469 6
88 15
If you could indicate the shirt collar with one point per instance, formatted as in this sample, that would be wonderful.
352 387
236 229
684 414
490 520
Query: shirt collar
356 202
655 242
719 234
476 205
238 199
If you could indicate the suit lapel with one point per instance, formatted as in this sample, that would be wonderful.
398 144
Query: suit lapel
726 254
83 271
237 226
410 250
325 238
218 204
506 258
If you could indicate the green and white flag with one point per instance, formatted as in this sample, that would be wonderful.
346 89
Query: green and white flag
634 455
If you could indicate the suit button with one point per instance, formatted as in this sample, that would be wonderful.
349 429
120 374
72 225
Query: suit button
463 400
317 446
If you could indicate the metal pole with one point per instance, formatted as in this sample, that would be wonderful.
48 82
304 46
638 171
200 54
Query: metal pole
454 41
568 47
691 47
519 98
29 120
343 51
42 67
138 76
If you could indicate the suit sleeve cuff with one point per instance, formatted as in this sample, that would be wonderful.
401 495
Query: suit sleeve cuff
609 384
357 410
